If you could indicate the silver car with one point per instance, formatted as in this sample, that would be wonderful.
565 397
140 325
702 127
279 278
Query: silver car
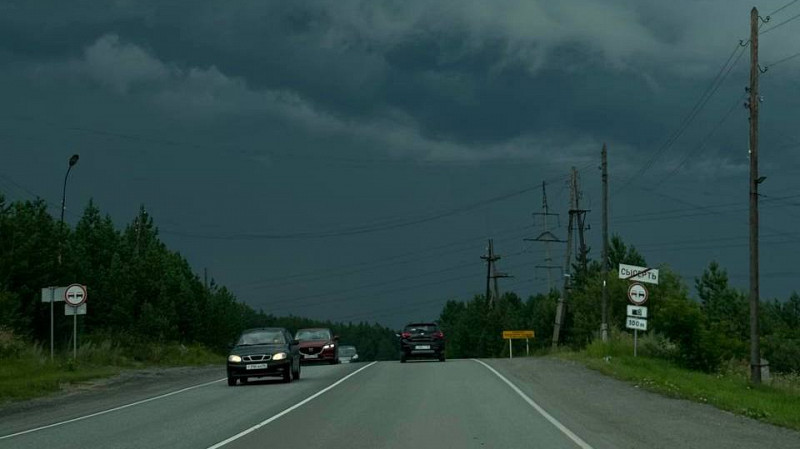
347 354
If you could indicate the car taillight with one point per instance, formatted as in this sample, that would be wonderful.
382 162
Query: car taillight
406 335
438 334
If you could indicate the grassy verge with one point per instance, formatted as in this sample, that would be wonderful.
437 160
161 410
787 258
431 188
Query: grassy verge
776 403
28 372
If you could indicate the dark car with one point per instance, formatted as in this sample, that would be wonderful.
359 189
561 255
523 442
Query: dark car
264 352
421 340
318 345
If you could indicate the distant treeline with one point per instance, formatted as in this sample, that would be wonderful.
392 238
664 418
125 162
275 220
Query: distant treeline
700 333
139 290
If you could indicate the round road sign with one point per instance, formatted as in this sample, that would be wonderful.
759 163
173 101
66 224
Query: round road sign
75 295
637 293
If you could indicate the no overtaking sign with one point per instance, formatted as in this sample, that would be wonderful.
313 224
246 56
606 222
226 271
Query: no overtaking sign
75 295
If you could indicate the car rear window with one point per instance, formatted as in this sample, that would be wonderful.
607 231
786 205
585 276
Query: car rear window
421 328
313 334
265 337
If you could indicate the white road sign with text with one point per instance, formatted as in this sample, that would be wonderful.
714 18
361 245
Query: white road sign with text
636 323
639 274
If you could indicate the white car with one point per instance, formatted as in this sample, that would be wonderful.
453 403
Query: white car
347 354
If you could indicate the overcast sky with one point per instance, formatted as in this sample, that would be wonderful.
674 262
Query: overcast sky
347 160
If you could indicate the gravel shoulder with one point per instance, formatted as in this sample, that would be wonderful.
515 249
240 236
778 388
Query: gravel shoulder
101 394
616 414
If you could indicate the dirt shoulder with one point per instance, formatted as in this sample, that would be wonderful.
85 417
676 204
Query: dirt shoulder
617 414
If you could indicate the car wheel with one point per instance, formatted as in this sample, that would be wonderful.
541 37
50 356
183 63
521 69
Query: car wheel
296 373
287 375
441 357
231 381
243 380
402 358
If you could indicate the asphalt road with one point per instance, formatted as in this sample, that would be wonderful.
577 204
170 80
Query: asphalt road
525 403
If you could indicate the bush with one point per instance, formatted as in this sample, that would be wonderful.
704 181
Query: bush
783 353
11 346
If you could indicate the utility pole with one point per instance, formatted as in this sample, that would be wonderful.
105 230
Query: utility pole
205 278
492 275
567 259
490 258
755 351
604 264
546 237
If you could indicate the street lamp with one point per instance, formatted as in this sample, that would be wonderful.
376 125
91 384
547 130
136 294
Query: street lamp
72 161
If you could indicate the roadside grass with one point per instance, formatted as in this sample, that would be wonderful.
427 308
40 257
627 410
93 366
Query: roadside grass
26 372
777 402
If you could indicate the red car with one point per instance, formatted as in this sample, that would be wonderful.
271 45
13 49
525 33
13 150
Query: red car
318 345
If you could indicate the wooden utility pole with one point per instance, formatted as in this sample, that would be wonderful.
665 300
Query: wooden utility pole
604 263
755 351
560 312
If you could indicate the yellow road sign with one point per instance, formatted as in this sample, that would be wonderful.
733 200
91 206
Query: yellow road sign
508 335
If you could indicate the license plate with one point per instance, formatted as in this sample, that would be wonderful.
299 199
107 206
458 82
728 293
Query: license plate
423 347
258 366
310 356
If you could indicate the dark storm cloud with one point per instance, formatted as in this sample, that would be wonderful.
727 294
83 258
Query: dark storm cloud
319 115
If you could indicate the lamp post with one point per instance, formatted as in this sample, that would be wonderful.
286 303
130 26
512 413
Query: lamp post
72 161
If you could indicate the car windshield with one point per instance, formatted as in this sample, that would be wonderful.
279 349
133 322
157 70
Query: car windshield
347 351
313 334
265 337
421 328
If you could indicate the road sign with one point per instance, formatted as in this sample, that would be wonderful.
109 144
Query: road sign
637 293
75 310
639 274
507 335
56 296
75 295
636 323
637 311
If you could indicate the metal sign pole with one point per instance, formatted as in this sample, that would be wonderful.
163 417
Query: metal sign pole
635 341
52 299
527 348
75 333
510 356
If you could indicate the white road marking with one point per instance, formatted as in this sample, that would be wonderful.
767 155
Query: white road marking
81 418
294 407
547 416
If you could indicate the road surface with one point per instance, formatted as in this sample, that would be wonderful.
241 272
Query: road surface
525 403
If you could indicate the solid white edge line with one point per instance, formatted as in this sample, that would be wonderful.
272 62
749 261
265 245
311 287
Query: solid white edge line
81 418
288 410
575 438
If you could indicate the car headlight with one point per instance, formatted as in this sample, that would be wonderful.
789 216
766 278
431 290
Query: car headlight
328 346
234 358
355 356
279 356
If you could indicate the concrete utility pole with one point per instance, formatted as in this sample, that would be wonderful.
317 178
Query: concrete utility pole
755 351
567 259
546 237
604 264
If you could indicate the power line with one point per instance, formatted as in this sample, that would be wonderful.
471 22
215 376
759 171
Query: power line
782 8
791 19
781 61
699 147
704 98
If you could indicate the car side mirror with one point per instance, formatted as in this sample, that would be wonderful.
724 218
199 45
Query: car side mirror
397 335
295 342
336 337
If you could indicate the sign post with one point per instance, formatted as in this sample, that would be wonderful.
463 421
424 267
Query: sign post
51 295
75 296
637 295
518 335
